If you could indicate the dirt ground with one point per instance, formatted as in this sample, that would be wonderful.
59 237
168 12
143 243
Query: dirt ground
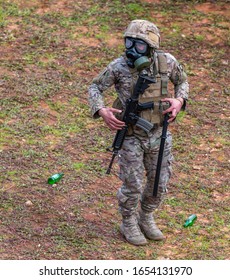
50 52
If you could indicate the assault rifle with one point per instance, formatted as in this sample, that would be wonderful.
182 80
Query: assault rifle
130 117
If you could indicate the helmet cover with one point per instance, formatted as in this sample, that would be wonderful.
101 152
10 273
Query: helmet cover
144 30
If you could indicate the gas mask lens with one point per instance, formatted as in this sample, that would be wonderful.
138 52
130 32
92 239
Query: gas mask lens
140 46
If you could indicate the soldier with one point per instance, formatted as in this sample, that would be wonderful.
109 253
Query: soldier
138 156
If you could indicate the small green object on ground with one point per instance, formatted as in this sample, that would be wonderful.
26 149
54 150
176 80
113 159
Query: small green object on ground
190 221
55 178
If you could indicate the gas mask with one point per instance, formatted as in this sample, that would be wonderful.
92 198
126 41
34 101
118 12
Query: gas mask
137 53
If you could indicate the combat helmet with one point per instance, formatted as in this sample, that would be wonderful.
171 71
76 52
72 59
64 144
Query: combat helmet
144 30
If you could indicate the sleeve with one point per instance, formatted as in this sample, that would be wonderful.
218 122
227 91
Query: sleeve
103 81
179 78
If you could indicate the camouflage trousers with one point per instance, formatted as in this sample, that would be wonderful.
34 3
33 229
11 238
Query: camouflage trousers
138 160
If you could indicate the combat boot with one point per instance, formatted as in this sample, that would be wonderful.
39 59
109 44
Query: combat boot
131 231
149 227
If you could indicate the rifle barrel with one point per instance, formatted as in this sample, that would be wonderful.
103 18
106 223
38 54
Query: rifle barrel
160 155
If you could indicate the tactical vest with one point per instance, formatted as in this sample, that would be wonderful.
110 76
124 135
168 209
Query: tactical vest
156 91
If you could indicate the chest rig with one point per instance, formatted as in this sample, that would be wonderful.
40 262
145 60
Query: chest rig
156 91
153 94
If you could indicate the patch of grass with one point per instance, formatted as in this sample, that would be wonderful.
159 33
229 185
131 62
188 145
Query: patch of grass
79 165
199 37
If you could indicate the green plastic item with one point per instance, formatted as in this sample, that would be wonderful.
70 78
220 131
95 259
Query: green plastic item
55 178
190 221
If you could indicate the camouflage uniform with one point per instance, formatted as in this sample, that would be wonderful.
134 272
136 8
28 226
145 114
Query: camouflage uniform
139 153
